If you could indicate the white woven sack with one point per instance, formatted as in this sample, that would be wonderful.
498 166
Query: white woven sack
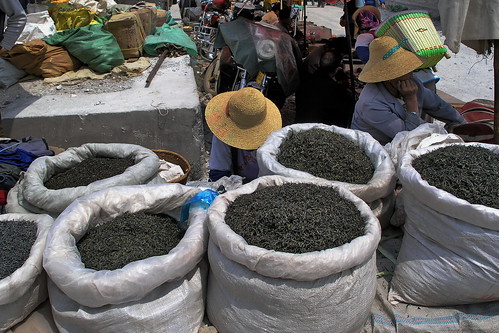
251 289
26 288
449 253
12 205
34 196
423 136
157 294
39 25
378 193
98 6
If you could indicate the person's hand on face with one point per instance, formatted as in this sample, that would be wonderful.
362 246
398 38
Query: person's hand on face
407 88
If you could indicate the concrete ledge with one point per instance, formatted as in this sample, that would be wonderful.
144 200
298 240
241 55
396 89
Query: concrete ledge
166 115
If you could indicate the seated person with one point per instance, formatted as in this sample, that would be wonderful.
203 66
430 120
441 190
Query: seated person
272 17
366 20
393 100
321 99
284 22
339 45
240 121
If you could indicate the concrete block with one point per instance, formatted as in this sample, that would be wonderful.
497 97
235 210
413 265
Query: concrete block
166 115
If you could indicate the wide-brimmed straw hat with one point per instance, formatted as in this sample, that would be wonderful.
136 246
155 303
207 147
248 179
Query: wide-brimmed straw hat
388 60
242 119
368 8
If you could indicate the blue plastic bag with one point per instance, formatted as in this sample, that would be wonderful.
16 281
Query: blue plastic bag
202 199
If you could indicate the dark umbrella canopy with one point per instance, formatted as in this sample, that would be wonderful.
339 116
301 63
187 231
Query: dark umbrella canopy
261 48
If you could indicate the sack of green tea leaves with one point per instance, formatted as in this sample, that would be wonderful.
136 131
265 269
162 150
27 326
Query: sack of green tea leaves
23 282
51 183
425 135
162 293
449 253
336 160
284 286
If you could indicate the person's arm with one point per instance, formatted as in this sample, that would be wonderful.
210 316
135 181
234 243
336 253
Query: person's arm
387 117
220 160
390 123
439 109
409 89
16 20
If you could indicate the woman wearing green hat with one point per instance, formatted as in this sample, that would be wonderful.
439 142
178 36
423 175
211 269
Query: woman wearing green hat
393 100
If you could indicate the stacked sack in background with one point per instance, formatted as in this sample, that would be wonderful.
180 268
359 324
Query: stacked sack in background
62 37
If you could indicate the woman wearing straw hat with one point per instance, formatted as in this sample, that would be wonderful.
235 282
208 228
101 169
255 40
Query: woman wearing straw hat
240 121
393 100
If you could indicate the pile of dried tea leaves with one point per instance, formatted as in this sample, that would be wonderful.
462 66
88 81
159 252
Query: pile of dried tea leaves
88 171
128 238
16 240
326 155
467 172
295 218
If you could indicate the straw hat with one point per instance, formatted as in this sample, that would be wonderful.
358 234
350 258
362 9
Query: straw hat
242 119
388 60
368 8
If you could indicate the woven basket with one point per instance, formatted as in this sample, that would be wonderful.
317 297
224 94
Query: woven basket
422 37
178 159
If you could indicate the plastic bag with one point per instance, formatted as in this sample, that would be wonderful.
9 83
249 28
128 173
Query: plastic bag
449 251
423 136
378 192
39 25
158 294
34 196
26 288
321 291
201 200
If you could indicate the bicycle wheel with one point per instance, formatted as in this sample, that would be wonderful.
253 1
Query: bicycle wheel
210 77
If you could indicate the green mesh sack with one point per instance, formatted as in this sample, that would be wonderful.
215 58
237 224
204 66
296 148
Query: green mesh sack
92 45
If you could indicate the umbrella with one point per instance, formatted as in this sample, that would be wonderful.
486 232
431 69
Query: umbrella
475 23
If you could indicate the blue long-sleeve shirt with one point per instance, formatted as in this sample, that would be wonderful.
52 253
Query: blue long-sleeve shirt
382 115
16 20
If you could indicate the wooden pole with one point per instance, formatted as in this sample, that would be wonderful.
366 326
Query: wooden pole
496 91
350 55
156 67
305 22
